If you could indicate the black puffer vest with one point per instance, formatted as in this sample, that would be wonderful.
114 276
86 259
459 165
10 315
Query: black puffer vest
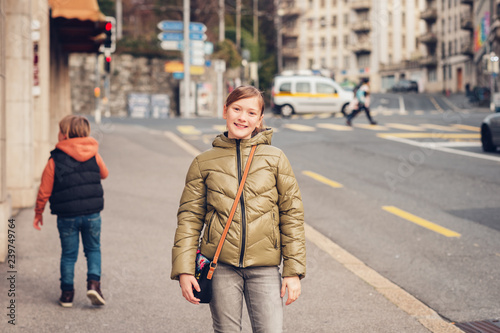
77 186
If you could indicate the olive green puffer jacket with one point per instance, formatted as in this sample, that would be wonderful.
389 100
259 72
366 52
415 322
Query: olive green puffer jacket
269 221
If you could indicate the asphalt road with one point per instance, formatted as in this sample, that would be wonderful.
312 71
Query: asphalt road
423 165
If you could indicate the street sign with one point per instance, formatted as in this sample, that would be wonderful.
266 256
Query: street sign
198 61
178 67
197 36
209 48
175 45
168 25
170 36
171 45
179 36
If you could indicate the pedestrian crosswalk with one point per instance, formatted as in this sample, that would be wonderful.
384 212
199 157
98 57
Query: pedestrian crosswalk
420 130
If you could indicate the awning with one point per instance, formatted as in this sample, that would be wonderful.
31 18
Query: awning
79 24
82 10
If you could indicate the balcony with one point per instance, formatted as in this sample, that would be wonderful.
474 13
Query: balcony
362 48
361 26
403 65
360 5
428 38
291 32
290 52
429 61
291 11
466 22
429 15
466 49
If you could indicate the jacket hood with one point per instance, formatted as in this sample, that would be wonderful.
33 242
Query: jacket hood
81 149
261 138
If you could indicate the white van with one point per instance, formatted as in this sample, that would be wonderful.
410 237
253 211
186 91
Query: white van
308 94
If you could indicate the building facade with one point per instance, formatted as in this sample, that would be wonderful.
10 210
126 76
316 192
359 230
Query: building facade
429 41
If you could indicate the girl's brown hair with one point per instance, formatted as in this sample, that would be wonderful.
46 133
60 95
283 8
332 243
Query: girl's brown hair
243 92
74 126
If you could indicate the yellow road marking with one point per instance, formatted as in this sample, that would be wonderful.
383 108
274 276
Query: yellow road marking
308 116
324 115
300 128
431 135
322 179
405 127
188 130
438 107
439 127
372 127
467 127
335 127
220 128
421 222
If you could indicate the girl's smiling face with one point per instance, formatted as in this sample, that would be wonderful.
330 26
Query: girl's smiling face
243 117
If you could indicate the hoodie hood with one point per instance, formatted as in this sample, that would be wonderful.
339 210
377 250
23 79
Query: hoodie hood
81 149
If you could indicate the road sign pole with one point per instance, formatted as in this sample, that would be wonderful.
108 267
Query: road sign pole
187 62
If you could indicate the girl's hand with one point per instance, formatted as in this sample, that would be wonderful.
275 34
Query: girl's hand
187 283
293 285
37 222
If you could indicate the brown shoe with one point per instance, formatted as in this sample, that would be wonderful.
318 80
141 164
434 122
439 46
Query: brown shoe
94 292
66 299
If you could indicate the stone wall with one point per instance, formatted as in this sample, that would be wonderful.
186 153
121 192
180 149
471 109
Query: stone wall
132 75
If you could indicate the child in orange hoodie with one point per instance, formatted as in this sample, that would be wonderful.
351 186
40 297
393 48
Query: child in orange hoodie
71 181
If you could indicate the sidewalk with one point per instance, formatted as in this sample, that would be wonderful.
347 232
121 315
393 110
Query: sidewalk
147 171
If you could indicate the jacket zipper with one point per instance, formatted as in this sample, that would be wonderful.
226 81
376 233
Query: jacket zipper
242 203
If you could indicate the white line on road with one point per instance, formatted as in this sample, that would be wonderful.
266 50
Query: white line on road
402 109
437 146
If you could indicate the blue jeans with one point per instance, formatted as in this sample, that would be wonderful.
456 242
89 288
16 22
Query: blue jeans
259 286
69 233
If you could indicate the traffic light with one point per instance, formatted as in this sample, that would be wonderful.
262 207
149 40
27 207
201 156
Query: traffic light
108 31
107 64
109 43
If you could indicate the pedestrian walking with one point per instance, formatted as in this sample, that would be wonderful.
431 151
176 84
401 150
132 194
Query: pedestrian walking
361 102
71 181
267 228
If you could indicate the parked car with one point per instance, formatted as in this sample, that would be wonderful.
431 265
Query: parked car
308 94
405 86
490 132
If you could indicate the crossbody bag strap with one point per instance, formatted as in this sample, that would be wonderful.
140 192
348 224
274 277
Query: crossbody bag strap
213 264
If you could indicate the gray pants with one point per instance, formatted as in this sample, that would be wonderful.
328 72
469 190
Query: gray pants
260 286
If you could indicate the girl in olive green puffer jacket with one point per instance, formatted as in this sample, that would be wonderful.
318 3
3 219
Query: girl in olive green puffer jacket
268 225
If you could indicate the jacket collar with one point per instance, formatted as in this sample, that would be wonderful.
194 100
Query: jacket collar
262 138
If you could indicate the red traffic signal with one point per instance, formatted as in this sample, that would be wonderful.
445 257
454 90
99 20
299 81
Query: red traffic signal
107 64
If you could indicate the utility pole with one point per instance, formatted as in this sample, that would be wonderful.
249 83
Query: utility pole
119 19
222 24
255 21
238 25
279 42
186 58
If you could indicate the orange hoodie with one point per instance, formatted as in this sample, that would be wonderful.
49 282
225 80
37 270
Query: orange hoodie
81 149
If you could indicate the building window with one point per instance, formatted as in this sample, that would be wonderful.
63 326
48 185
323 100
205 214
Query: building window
334 3
323 42
346 61
334 21
431 75
346 40
449 72
334 62
450 48
334 41
346 19
443 49
322 3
